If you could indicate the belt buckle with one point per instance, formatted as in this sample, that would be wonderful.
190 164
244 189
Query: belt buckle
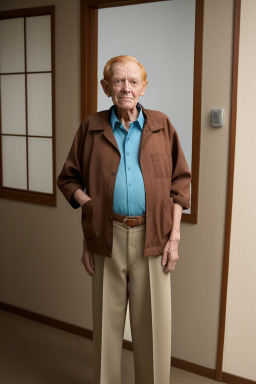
127 218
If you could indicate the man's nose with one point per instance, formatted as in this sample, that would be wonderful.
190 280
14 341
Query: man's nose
126 86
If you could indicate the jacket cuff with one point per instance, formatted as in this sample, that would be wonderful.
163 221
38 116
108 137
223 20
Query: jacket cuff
68 192
74 204
180 200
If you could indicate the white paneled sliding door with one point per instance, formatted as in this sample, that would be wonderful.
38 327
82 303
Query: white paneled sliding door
27 105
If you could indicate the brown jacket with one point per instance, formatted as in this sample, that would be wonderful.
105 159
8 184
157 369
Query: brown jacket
93 161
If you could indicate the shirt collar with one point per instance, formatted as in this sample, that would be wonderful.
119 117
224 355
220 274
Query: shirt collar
115 122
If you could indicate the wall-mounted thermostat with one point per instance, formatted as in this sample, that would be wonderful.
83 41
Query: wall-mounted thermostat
217 119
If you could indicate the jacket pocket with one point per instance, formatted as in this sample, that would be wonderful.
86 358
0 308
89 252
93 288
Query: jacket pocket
87 220
162 163
166 216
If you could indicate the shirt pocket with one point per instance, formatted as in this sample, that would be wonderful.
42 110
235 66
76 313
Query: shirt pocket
162 163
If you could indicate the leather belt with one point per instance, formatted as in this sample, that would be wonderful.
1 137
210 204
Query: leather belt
130 221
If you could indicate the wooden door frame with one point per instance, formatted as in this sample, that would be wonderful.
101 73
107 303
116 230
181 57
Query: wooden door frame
229 201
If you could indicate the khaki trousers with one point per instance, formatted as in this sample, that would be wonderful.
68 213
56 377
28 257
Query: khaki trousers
128 275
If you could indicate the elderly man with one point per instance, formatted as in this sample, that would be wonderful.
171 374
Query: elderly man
127 171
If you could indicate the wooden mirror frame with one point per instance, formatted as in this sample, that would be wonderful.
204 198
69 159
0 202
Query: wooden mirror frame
89 81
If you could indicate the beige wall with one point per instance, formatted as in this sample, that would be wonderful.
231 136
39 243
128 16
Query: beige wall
41 247
240 337
197 280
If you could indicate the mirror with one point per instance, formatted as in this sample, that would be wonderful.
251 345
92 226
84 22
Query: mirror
171 53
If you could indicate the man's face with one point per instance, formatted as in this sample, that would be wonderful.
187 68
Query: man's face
125 85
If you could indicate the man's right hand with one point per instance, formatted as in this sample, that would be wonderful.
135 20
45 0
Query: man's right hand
88 259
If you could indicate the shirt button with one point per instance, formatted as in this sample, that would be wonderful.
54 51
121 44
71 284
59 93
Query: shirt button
130 183
129 167
128 138
110 217
109 195
127 153
113 173
130 200
109 246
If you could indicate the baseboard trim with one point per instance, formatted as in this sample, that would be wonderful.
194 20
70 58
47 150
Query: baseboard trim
83 332
59 324
233 379
193 368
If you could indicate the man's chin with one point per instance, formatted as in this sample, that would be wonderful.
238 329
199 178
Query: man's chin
126 105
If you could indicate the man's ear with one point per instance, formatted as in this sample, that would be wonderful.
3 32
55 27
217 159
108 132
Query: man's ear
143 90
105 87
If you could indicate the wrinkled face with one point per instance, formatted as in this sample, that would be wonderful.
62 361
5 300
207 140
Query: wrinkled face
125 85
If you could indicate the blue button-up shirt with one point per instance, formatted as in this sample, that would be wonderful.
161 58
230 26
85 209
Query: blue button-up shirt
129 192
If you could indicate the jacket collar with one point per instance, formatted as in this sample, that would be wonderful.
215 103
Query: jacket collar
152 124
101 120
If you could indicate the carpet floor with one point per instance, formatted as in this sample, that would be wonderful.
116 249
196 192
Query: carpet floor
33 353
